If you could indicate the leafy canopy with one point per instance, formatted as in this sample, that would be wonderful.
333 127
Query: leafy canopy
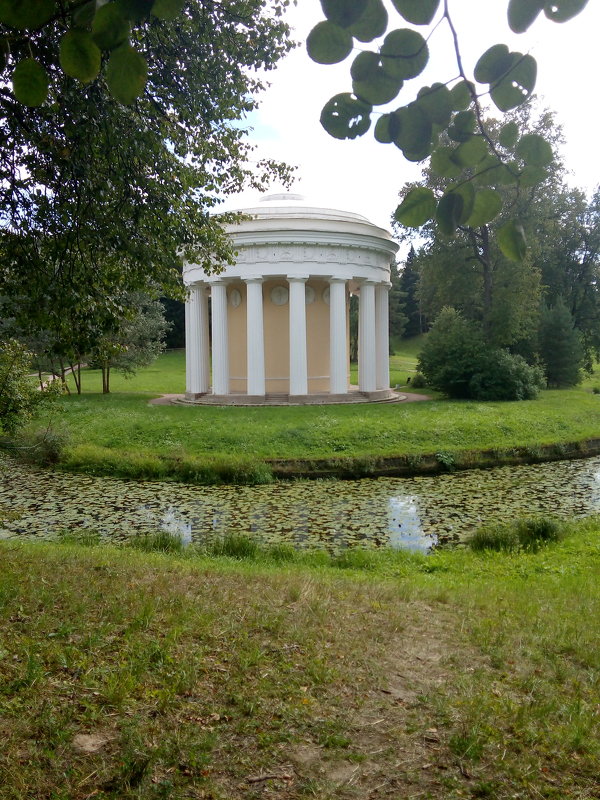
107 185
473 167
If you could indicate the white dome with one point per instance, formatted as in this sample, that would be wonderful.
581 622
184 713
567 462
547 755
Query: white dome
288 214
288 205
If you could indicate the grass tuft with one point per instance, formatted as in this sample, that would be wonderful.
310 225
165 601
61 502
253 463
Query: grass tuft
157 542
528 534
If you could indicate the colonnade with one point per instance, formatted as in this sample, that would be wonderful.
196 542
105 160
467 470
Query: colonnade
373 350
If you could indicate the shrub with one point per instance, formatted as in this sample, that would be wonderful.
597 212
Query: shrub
500 375
20 398
450 353
456 360
44 447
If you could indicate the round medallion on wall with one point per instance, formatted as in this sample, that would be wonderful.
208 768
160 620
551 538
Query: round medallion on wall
279 295
310 295
326 295
235 298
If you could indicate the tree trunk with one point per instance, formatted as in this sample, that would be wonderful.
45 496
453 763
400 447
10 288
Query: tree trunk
105 378
76 373
63 376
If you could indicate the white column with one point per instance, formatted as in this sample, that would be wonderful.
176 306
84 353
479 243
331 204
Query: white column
196 341
367 358
382 334
220 343
338 346
298 358
255 337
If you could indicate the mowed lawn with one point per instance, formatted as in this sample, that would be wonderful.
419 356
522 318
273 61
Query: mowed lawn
124 421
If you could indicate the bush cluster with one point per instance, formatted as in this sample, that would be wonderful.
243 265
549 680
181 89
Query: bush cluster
456 360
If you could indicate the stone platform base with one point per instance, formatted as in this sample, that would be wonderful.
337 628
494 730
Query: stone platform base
235 399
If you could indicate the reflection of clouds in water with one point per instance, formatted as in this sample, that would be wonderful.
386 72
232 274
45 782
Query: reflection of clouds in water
595 487
176 525
405 529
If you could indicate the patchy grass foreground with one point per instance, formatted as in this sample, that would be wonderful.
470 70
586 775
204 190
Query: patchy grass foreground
459 675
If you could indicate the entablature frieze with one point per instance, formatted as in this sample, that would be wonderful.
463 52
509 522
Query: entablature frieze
300 253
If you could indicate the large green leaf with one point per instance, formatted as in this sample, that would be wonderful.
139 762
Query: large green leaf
442 164
486 207
80 56
414 134
346 117
383 129
378 89
404 53
511 240
492 172
521 13
126 74
364 66
449 212
30 82
517 85
419 153
370 82
563 10
509 134
419 12
471 152
109 28
463 126
328 43
534 150
461 97
417 207
343 12
436 102
372 22
493 64
467 192
26 14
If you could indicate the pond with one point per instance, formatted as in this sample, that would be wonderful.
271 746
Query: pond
414 513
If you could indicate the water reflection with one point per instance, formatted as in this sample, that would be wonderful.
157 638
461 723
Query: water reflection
406 529
410 513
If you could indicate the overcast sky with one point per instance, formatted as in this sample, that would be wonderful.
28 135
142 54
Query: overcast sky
365 176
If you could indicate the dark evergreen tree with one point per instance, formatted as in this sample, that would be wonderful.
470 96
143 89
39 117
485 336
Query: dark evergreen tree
416 322
560 346
396 299
175 316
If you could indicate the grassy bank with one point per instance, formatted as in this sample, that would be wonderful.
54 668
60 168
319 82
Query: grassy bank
134 675
120 434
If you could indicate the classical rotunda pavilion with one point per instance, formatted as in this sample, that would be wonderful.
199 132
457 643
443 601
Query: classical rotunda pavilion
279 317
